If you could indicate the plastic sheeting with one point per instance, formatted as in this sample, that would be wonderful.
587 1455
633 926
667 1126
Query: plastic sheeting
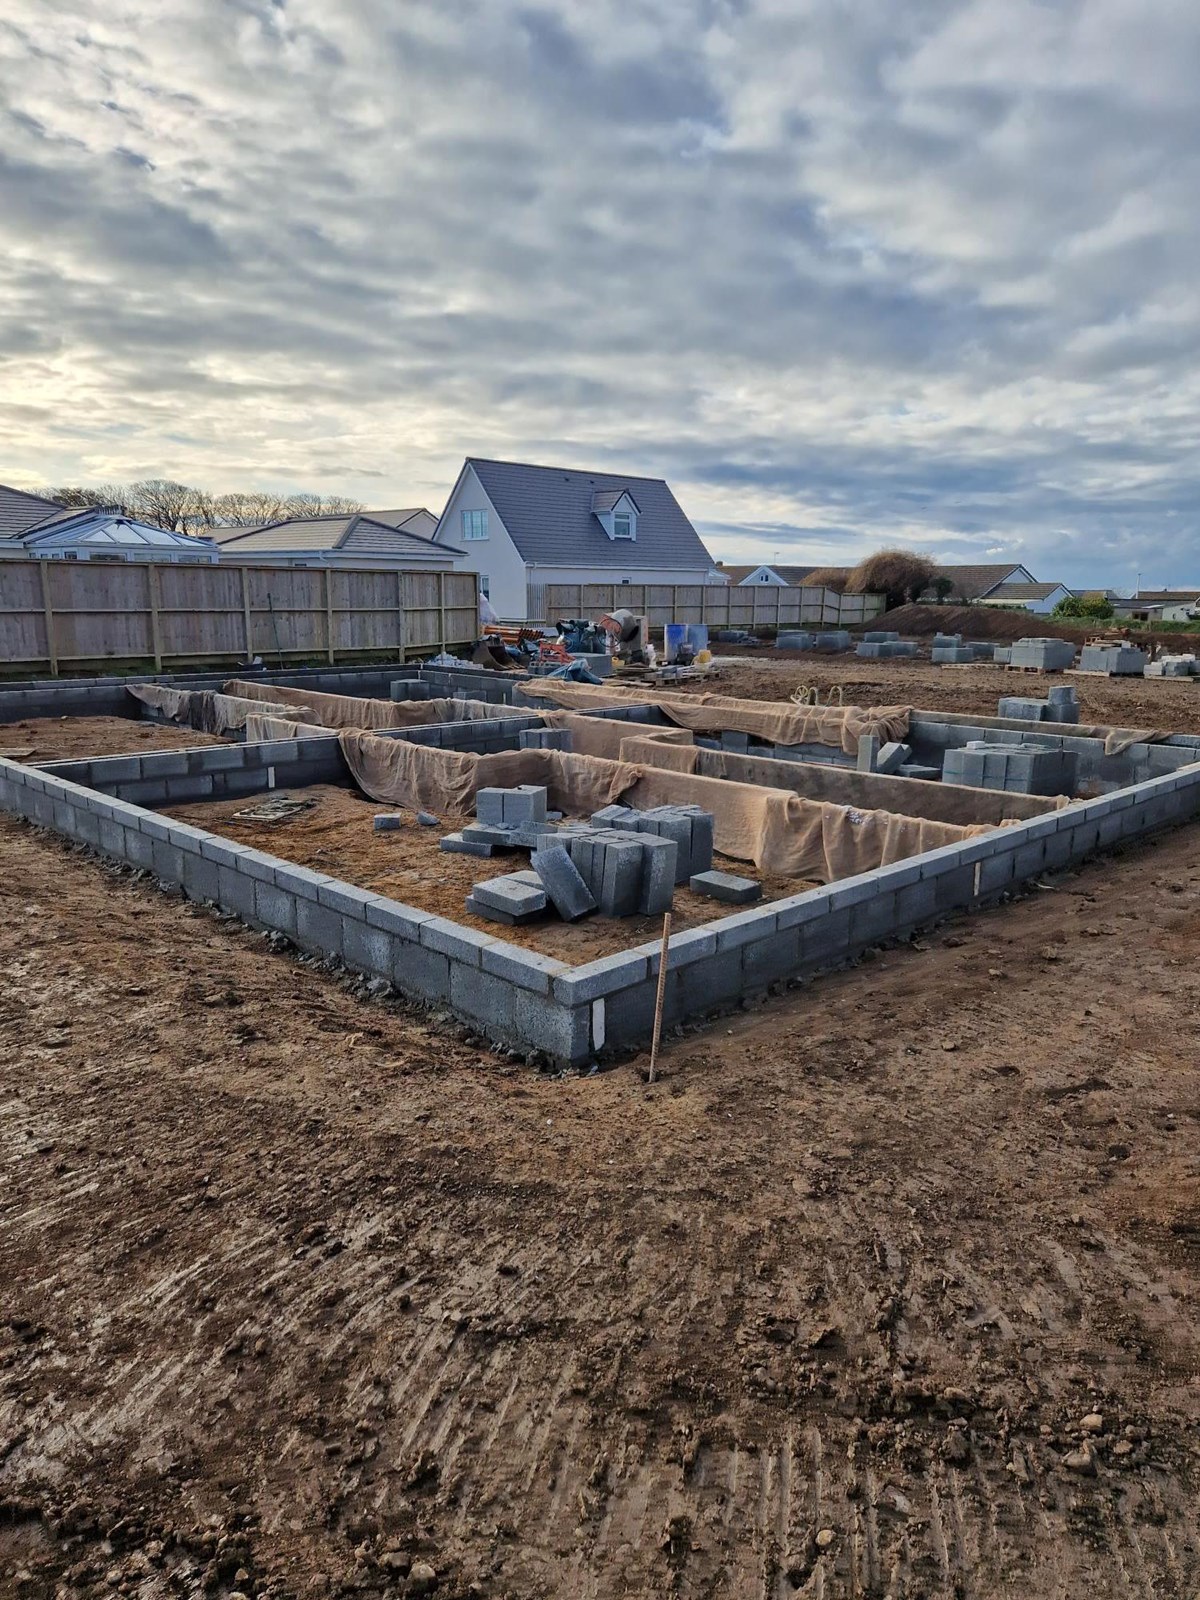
776 720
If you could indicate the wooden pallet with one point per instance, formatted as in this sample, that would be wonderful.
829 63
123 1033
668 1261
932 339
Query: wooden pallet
1091 672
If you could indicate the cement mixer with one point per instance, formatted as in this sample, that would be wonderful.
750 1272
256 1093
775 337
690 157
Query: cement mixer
630 637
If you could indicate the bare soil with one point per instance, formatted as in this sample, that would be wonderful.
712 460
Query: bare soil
769 674
68 738
299 1291
336 836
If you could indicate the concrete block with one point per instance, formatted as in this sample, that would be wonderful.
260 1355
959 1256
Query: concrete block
274 907
1021 708
726 887
419 972
620 879
489 805
545 739
401 921
504 894
526 803
456 844
891 757
526 968
1048 655
868 752
604 976
914 769
318 929
659 876
451 939
1118 660
562 881
496 834
200 880
389 822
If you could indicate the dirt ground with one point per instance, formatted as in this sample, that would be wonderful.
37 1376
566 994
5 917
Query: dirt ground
336 836
65 738
889 1287
769 674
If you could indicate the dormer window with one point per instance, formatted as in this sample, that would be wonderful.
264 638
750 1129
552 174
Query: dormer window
617 512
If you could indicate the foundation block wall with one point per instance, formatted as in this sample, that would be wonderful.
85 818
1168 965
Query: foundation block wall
531 1001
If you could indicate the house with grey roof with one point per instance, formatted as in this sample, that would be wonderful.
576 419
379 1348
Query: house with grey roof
522 527
32 526
400 538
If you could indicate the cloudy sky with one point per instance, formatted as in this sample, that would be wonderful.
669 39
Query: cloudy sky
922 271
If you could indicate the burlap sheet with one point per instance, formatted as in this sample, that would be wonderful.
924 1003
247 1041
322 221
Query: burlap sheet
351 711
776 720
207 710
780 832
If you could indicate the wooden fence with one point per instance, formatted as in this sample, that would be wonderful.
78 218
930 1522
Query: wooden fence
66 615
720 605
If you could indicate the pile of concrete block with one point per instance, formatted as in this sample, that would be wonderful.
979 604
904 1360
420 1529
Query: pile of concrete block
626 874
1002 655
947 641
1117 660
1047 655
793 641
545 739
880 636
505 819
832 641
872 650
1172 667
951 655
691 827
1015 768
1060 705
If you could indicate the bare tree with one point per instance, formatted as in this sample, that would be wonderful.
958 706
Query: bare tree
238 510
110 494
172 505
186 509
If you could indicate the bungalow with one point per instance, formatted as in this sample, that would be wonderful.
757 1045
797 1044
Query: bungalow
400 538
524 526
1040 598
1161 605
777 577
32 526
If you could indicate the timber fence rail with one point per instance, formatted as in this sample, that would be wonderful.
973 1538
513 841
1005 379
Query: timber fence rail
62 616
719 605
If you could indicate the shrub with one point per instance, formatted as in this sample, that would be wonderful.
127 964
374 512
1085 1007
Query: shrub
1094 607
901 575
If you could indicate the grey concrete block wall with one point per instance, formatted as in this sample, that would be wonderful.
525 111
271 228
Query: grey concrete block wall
535 1002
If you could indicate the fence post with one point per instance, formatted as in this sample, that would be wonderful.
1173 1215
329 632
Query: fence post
246 615
399 615
51 642
329 650
442 609
155 620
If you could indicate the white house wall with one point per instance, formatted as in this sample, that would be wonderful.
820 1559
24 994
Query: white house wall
495 558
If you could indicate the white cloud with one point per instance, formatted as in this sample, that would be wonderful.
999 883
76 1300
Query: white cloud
903 270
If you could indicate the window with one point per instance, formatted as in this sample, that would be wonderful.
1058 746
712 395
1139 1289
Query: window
485 586
622 525
474 524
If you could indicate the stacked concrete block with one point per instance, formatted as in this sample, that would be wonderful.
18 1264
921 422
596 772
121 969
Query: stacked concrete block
545 739
1172 667
947 641
886 649
522 805
916 769
792 641
1062 704
458 844
1047 655
868 752
880 637
626 873
1022 708
1016 768
832 641
1002 655
691 827
726 887
511 900
951 655
1118 660
982 650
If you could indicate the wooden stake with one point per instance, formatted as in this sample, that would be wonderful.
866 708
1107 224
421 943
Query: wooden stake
662 990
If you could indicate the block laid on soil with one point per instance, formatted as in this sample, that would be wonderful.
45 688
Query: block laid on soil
428 820
562 882
490 913
389 822
455 844
489 805
489 833
725 886
506 894
892 757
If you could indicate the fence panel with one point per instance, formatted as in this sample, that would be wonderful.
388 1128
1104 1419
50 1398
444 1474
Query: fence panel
66 615
720 605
